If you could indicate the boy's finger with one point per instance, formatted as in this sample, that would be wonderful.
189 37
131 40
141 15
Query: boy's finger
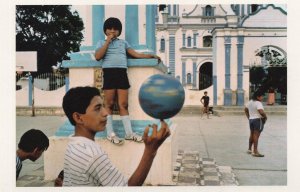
146 131
163 127
154 133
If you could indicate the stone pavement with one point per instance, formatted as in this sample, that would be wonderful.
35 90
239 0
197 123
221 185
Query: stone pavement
211 151
191 170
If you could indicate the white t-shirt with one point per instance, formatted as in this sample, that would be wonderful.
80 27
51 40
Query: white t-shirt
86 164
253 107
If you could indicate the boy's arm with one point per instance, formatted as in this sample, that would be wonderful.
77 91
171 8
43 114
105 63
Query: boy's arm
246 112
100 52
138 55
152 143
263 114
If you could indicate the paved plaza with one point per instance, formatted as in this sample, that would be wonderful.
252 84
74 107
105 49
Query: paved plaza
220 142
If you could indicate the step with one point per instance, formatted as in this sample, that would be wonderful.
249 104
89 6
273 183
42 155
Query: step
233 113
233 110
190 169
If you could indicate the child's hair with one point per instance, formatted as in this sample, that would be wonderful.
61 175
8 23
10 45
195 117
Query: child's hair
112 22
257 94
205 92
32 139
77 99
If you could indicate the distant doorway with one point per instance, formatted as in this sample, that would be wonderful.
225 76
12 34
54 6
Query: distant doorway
205 75
269 73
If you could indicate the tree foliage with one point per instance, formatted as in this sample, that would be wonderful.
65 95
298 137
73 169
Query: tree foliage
51 30
275 77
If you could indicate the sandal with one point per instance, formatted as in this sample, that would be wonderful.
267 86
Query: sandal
115 139
257 155
249 151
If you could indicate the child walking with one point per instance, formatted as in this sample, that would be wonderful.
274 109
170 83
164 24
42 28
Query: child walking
113 52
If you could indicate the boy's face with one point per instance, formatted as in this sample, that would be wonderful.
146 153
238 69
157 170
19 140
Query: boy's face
114 32
94 118
35 154
260 98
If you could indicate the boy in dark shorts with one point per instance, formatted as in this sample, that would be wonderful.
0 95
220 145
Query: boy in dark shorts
113 52
205 101
254 111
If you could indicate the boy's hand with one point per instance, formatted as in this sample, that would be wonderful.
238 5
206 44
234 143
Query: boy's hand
264 120
154 141
110 37
157 57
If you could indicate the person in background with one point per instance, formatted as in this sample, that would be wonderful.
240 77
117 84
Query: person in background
205 101
254 111
31 146
113 52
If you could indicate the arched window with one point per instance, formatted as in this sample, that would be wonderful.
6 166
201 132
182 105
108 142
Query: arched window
189 78
207 41
189 41
208 11
162 45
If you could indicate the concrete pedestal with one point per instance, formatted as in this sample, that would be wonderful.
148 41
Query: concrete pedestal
126 158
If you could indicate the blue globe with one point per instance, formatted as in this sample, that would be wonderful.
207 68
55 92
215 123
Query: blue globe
161 96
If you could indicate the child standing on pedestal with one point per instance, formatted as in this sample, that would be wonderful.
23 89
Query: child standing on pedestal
113 51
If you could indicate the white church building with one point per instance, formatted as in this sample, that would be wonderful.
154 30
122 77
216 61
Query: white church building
211 47
206 47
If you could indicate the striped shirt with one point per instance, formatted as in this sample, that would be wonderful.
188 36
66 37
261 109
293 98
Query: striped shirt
18 167
86 164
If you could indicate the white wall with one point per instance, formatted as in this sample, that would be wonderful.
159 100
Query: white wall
49 98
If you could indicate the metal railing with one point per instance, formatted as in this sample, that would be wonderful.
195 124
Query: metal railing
44 81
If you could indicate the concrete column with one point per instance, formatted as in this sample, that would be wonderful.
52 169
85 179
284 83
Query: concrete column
67 82
150 27
183 73
227 90
240 91
194 74
215 88
98 20
30 88
132 24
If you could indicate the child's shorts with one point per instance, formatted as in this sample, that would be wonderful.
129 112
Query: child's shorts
256 124
115 78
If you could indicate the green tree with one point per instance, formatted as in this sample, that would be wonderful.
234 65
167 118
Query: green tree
257 75
51 30
263 79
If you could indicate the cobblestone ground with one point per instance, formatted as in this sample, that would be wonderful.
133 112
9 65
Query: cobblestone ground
191 170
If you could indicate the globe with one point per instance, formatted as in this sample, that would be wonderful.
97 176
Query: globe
161 96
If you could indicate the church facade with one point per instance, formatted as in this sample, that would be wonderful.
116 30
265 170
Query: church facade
211 47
